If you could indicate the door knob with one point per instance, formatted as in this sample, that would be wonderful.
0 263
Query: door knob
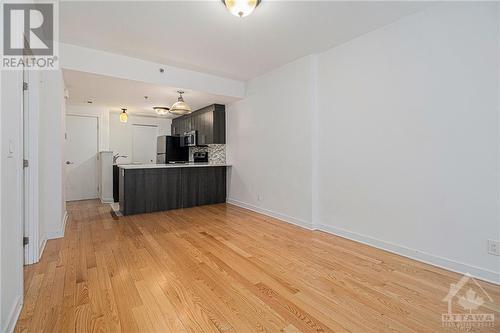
68 162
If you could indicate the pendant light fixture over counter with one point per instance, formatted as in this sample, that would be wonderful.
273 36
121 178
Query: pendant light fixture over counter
241 8
161 110
180 107
123 116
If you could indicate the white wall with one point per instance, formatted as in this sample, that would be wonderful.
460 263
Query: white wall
403 142
1 219
498 117
409 136
121 134
269 144
117 136
11 248
52 122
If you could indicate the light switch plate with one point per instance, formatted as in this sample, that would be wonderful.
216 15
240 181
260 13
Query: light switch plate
10 150
494 247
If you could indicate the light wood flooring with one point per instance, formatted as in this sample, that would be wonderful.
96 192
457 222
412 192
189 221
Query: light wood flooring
221 268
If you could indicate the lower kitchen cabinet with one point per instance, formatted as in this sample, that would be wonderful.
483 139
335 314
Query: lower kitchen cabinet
160 189
203 186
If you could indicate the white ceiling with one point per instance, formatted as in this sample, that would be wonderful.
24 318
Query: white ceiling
204 36
115 93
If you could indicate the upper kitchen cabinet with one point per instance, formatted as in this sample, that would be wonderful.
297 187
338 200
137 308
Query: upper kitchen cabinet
209 122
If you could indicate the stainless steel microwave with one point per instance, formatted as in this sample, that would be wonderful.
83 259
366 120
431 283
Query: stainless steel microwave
190 139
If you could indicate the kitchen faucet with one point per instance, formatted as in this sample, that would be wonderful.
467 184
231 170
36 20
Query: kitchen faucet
117 156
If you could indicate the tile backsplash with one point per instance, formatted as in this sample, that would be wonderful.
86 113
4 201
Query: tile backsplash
216 153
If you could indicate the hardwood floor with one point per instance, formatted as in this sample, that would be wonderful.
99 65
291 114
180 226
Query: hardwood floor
221 268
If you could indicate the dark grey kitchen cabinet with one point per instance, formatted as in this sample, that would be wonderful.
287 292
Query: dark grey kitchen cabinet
180 125
219 125
144 190
205 128
209 122
160 189
203 186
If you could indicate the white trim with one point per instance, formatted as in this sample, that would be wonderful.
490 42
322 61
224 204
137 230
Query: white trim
31 174
107 200
431 259
292 220
14 315
42 247
60 232
441 262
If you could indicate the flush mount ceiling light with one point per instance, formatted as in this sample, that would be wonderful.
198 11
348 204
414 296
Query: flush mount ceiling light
123 116
161 110
180 107
241 8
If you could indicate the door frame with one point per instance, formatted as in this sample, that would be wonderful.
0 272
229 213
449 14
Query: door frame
98 175
33 250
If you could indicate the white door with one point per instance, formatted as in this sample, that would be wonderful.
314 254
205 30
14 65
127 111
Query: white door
81 157
144 144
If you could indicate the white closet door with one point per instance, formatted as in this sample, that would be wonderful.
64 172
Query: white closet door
81 157
144 144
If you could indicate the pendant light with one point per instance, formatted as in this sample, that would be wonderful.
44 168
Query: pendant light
180 107
123 116
161 110
241 8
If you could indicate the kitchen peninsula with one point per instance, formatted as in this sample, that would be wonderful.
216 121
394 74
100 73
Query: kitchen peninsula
149 188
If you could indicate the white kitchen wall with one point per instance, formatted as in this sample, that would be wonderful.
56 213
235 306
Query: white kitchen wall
402 148
11 248
121 134
269 144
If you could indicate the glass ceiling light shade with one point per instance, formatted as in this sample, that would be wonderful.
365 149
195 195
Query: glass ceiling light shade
241 8
123 116
161 110
180 107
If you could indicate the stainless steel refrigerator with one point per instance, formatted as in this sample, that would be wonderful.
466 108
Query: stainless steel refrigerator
169 150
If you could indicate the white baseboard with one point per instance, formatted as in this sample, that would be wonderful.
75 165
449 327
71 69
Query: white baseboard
434 260
279 216
14 315
59 233
107 200
42 247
